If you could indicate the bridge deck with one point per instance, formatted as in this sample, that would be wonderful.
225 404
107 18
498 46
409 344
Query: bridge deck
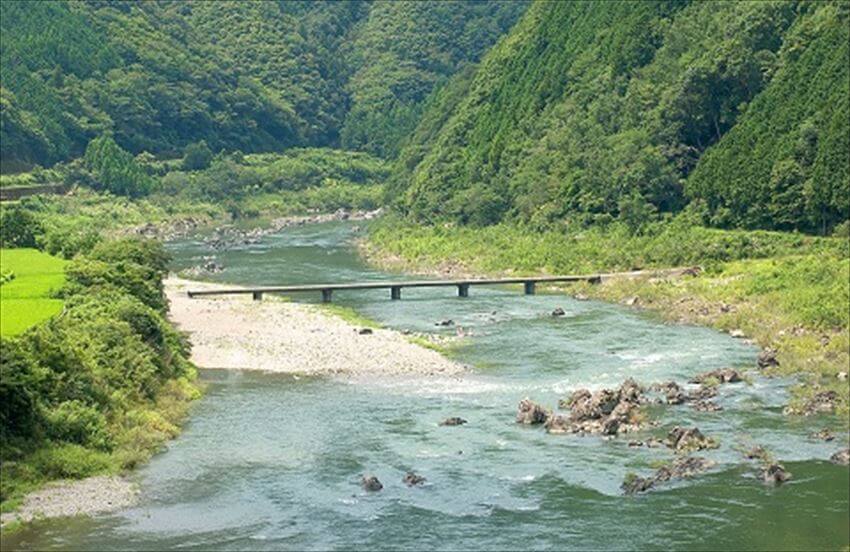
462 284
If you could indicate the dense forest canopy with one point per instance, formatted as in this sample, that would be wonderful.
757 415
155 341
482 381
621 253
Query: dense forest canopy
549 113
253 76
590 111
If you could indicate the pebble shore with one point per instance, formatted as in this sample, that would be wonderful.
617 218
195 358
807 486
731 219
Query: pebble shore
235 332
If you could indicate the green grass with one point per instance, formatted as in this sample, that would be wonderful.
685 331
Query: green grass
26 298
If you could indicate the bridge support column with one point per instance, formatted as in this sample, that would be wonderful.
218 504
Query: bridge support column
528 287
463 290
395 292
326 295
257 295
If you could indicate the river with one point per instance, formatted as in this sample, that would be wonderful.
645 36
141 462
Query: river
273 462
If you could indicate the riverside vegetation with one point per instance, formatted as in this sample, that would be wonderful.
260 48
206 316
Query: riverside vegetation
504 137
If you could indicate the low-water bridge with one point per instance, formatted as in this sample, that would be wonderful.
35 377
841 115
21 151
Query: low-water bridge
528 282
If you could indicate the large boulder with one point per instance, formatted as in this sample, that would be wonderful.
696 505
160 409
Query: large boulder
775 474
606 411
529 412
557 424
841 457
767 359
412 479
683 439
673 392
371 483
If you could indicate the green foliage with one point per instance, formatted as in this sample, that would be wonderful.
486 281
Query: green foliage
80 390
197 156
70 462
76 422
253 76
73 70
401 51
120 272
526 249
786 164
587 112
115 170
18 228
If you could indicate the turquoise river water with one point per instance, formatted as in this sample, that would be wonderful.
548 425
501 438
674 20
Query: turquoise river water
273 462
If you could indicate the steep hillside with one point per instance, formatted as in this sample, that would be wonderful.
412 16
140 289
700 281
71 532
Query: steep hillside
73 70
253 76
786 164
590 111
401 51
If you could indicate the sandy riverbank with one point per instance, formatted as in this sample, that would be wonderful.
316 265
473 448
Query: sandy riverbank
235 332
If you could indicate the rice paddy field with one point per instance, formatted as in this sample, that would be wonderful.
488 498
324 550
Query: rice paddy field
28 279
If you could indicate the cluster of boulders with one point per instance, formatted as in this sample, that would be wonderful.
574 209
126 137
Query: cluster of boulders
170 230
770 471
679 468
229 236
606 412
699 399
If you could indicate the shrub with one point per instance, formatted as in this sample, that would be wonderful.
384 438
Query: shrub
18 228
75 422
114 169
19 414
70 461
197 156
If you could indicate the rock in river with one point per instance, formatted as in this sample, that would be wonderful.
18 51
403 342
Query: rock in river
531 413
688 439
678 469
767 359
558 312
725 375
412 479
371 483
775 474
841 457
453 421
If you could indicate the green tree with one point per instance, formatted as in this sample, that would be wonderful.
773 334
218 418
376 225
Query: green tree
197 156
115 169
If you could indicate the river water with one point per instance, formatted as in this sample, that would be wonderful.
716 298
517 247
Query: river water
273 462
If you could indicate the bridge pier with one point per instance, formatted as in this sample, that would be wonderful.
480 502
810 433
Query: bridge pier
528 287
395 292
463 290
326 295
257 295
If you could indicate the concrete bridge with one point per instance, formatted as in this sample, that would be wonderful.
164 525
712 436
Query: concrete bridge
528 282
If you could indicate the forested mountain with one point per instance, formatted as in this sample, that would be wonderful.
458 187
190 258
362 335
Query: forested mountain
590 111
401 52
253 76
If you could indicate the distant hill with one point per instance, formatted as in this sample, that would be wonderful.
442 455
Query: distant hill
253 76
588 111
